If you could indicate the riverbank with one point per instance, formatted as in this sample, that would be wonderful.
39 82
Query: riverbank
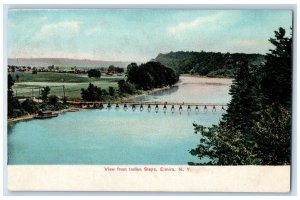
144 93
208 77
72 109
28 117
184 79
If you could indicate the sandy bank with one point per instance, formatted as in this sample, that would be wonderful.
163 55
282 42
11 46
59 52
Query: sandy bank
27 117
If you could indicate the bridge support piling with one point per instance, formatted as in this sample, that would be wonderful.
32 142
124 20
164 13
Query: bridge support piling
214 109
141 108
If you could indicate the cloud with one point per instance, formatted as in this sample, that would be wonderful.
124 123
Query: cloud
68 28
186 26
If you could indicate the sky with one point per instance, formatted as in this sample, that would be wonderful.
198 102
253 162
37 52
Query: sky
139 35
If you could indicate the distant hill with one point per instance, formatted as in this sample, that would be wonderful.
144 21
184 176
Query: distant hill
213 64
44 62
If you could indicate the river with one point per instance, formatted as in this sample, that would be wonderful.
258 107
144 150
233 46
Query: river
118 137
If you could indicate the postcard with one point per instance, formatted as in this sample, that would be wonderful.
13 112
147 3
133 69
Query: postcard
165 100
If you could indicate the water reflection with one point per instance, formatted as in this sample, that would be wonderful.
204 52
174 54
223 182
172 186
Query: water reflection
156 94
192 90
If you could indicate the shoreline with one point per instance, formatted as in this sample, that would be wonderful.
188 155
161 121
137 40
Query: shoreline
31 116
147 92
202 76
129 98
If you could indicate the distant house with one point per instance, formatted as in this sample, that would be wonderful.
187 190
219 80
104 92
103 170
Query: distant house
104 71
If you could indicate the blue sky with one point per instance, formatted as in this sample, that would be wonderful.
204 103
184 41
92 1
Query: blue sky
139 35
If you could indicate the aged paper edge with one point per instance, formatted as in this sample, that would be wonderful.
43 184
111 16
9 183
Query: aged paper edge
192 179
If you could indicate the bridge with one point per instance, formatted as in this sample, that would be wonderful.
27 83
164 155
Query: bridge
149 105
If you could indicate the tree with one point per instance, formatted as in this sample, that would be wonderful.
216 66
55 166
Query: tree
132 72
53 100
273 135
257 126
34 70
111 68
12 102
119 69
126 87
232 141
94 73
151 75
111 91
51 67
92 93
205 63
277 72
44 93
274 126
29 106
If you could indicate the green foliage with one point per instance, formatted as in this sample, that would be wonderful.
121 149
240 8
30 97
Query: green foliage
273 135
94 73
92 93
18 112
12 102
53 100
51 67
204 63
44 93
126 87
221 73
34 71
30 106
277 76
151 75
119 70
256 128
111 91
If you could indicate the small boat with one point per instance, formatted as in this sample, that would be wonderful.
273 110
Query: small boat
45 114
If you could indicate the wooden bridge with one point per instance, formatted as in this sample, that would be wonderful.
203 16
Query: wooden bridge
147 105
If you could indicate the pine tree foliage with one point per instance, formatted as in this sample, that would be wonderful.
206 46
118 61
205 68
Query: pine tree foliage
256 128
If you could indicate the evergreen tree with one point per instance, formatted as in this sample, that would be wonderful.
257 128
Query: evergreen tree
273 136
12 102
277 72
232 142
273 129
257 126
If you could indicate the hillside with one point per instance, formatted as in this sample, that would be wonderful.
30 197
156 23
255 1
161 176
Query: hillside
44 62
206 63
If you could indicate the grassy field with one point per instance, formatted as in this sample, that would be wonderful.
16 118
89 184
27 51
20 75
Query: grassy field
51 77
31 84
